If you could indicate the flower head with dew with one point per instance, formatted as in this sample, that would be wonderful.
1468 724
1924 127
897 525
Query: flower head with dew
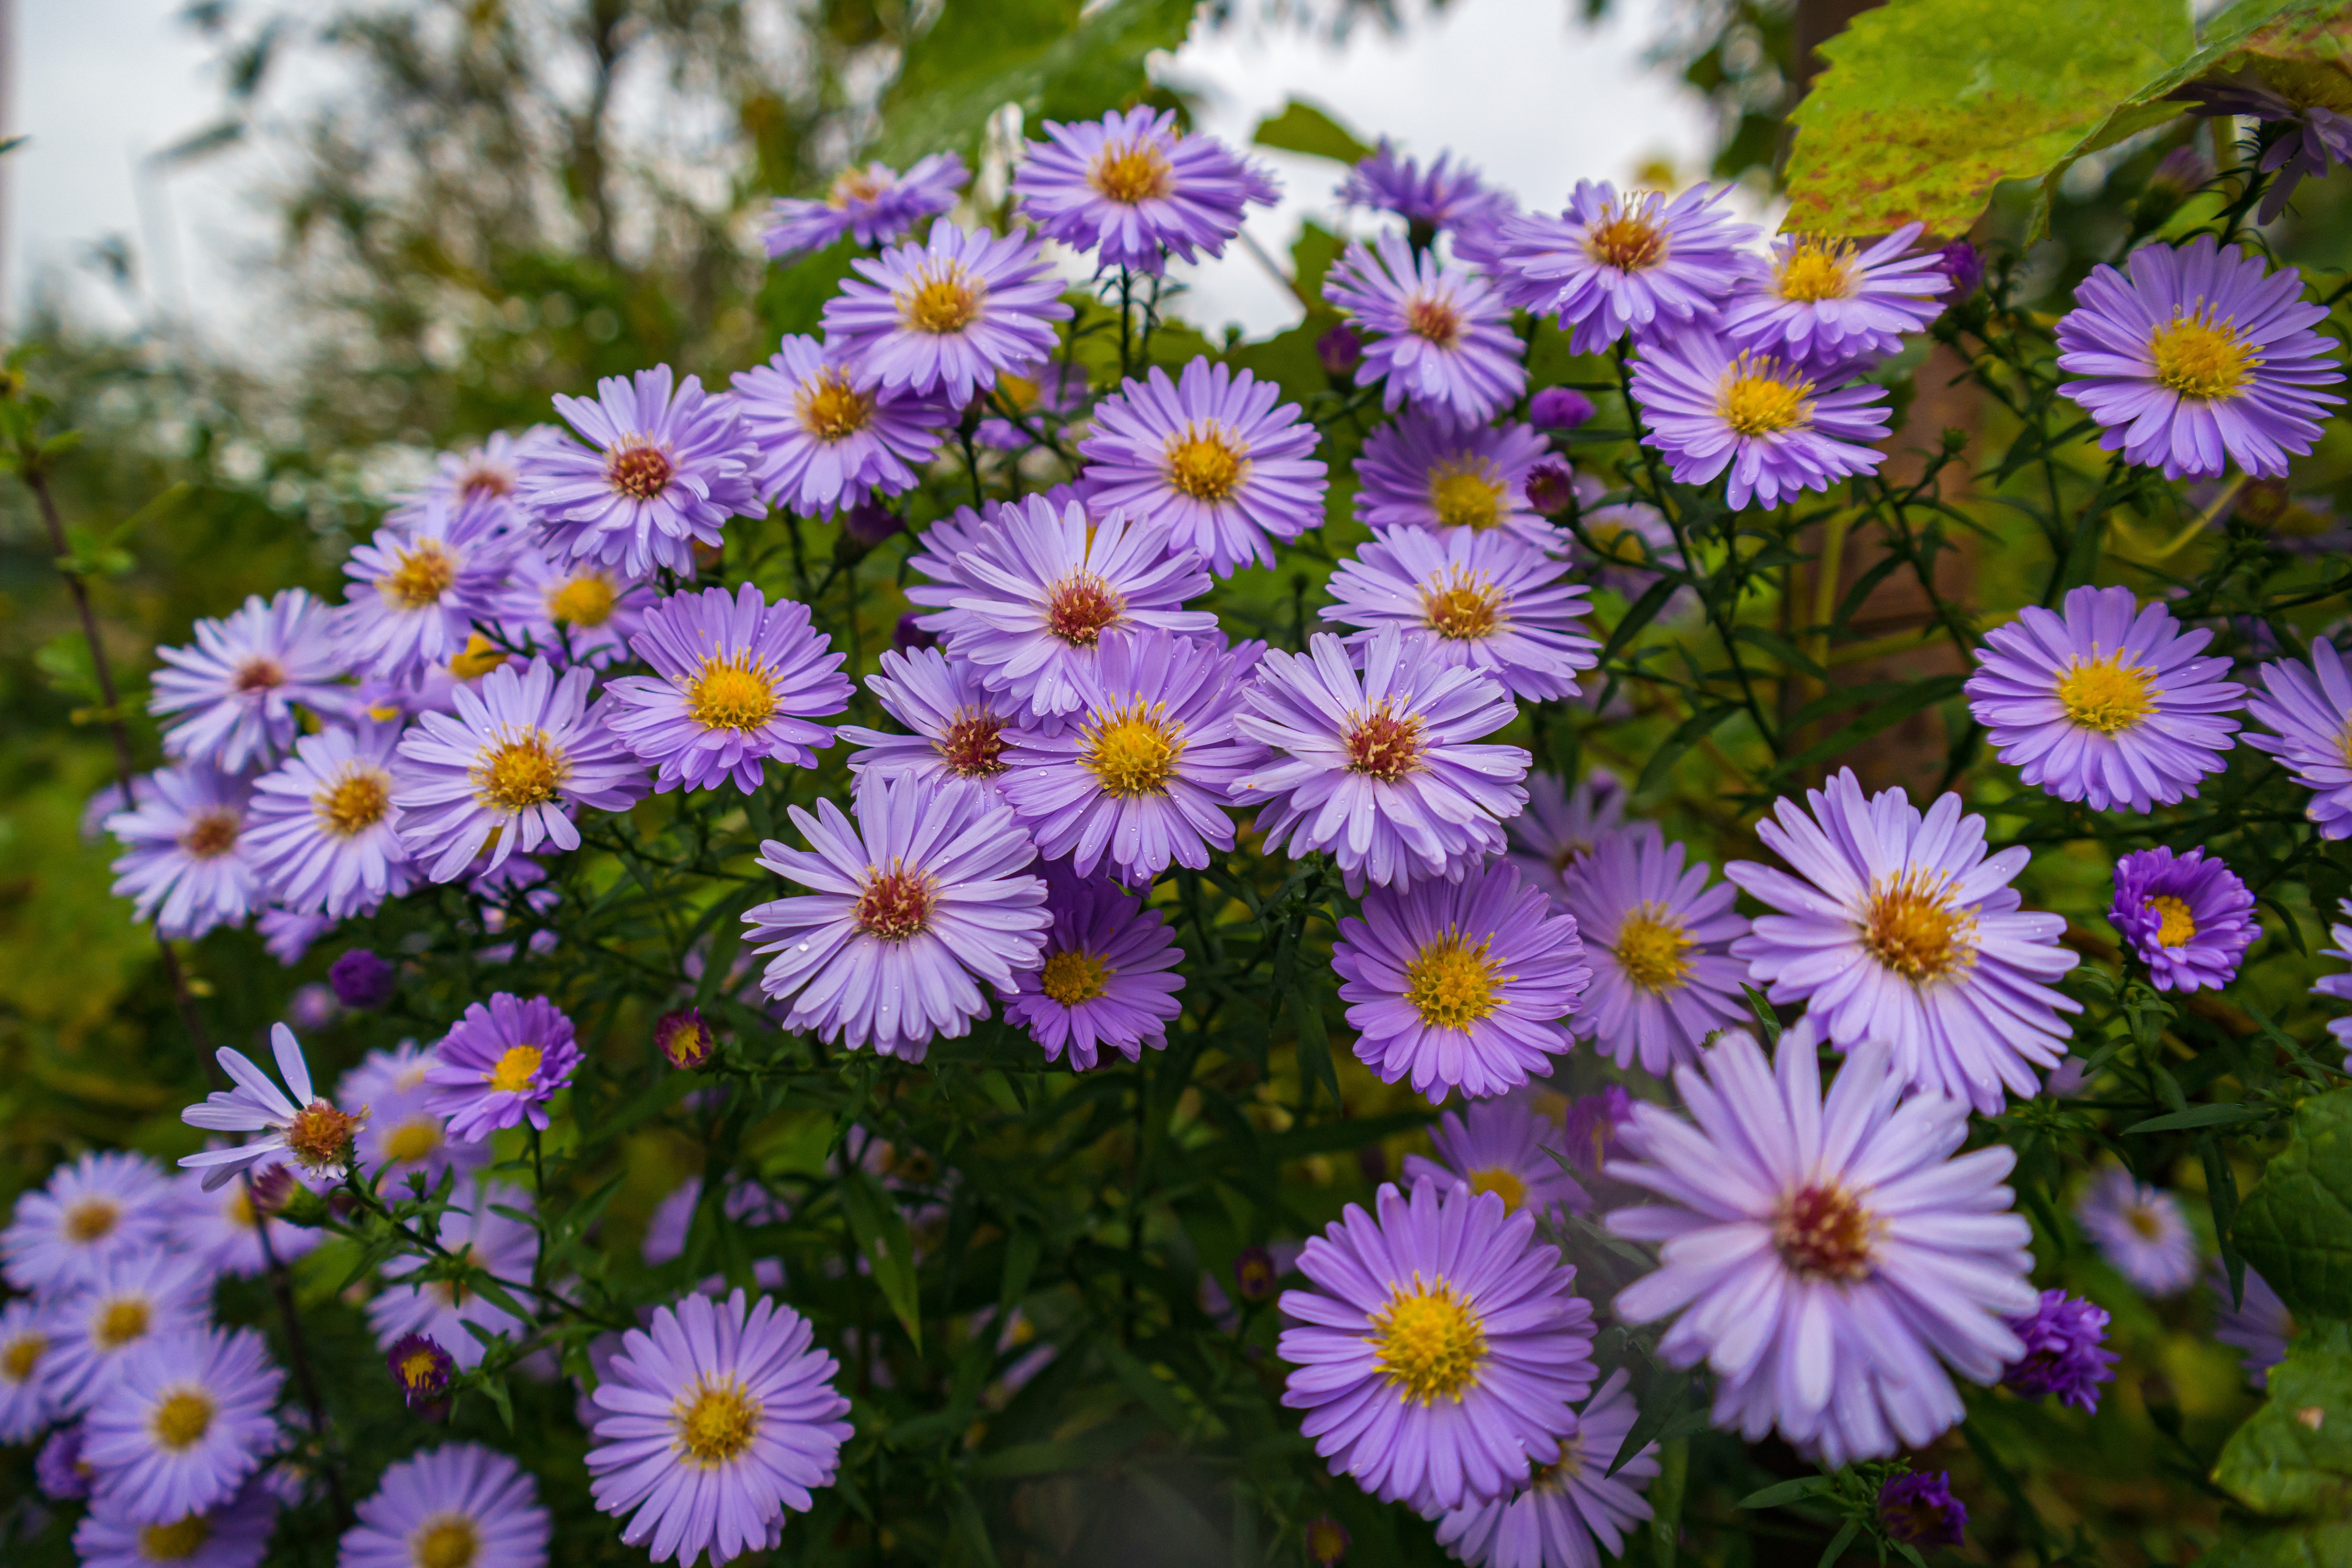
1562 825
2140 1230
1421 472
1136 777
187 864
1571 1510
876 205
2318 136
1779 431
2188 918
293 1125
1210 456
1135 190
224 1227
1481 601
2307 708
736 682
1641 262
505 773
2105 702
949 315
1437 336
1825 302
419 584
187 1420
500 1065
1107 978
659 468
2252 1321
1628 539
457 1506
2065 1341
93 1210
1899 928
1380 768
235 1535
1826 1257
1500 1147
237 695
960 733
827 434
1464 986
1440 1350
96 1326
321 829
2199 358
711 1422
575 612
26 1333
1447 197
1041 585
476 1233
1659 941
405 1137
907 907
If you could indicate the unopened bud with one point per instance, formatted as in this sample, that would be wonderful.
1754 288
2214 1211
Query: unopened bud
684 1039
1558 408
908 635
421 1369
869 523
1551 488
362 981
1341 350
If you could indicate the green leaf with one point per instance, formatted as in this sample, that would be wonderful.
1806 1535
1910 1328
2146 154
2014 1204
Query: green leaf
1840 1540
2326 1545
1788 1492
1667 1501
2293 1456
1303 128
881 1232
2295 1228
2199 1116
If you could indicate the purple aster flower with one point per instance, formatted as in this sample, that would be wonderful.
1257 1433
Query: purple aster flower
295 1124
1042 587
419 584
1211 458
1593 1124
236 691
98 1208
711 1424
222 1227
187 1420
907 906
1825 302
684 1039
1439 1353
1659 941
1644 262
1628 539
2317 136
2065 1341
1822 1256
2199 358
58 1467
458 1505
94 1328
1567 1507
405 1137
1379 768
938 556
1900 929
1919 1509
2139 1231
2259 1325
1421 472
362 981
2308 711
960 730
2189 919
189 868
323 831
501 1064
1464 985
877 204
828 436
1108 976
1138 775
497 1243
1561 824
421 1369
1440 199
2109 703
948 315
1963 269
1710 408
1559 408
287 936
1466 599
1438 335
491 471
575 612
233 1536
504 775
1499 1147
25 1404
664 466
1135 189
735 682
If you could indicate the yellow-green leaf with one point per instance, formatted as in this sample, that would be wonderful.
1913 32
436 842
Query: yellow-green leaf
1303 128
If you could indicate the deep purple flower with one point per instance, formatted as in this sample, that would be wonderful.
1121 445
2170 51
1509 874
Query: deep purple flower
2259 1325
188 866
236 692
1481 601
959 730
186 1421
1919 1509
1553 487
1659 942
877 204
869 524
1497 1146
2189 919
501 1064
1421 472
2308 711
1825 302
1561 824
948 315
1108 976
2140 1230
1642 261
1963 269
684 1039
827 435
1327 1541
1568 1506
2065 1341
1559 408
322 830
1439 336
1710 407
421 1369
1341 350
362 979
2317 136
58 1467
1135 189
909 634
462 1506
419 584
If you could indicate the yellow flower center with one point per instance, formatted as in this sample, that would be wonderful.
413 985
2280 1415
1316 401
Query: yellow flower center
940 298
854 185
1626 239
419 576
1653 949
2143 1221
480 656
412 1140
1206 462
1072 977
639 470
517 1066
1504 1184
1134 749
586 601
1815 270
22 1354
1461 606
240 1210
122 1321
2197 356
1384 745
973 745
1080 606
516 774
1131 173
354 803
833 410
1551 1477
1763 398
2175 925
1912 928
1428 1344
1466 492
419 1368
90 1220
182 1419
1436 320
211 835
716 1422
1452 985
2105 694
895 904
737 695
1823 1233
445 1540
175 1542
320 1134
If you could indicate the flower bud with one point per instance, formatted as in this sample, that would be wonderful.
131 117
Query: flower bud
684 1039
1254 1273
362 981
1558 408
1341 350
421 1369
1326 1542
1551 488
869 523
1960 262
908 635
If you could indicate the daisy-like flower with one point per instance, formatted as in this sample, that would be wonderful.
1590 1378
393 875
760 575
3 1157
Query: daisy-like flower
960 730
1569 1506
1379 768
222 1229
322 830
1627 540
665 465
1134 189
711 1423
1641 262
2308 711
1498 1146
575 612
233 1536
2066 1341
947 315
1562 823
1825 302
489 472
25 1404
101 1207
1138 773
404 1136
907 906
1421 472
500 1065
1441 199
188 866
1440 1351
1437 335
1044 584
736 681
236 692
187 1420
1709 407
458 1505
497 1243
2200 359
1822 1255
2139 1231
827 434
1211 456
420 584
1659 941
2189 919
94 1328
1482 601
1464 986
1900 929
1108 977
2108 703
2259 1325
504 773
293 1123
875 203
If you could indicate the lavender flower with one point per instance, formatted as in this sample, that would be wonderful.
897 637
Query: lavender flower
1466 599
1106 976
2189 919
1559 408
235 1535
1438 199
420 584
1567 1507
960 730
188 866
323 831
1135 189
2308 711
1421 472
2318 136
1562 825
236 691
2140 1230
101 1323
875 203
500 1065
296 1124
93 1211
1709 409
1495 1146
1824 303
664 466
491 472
405 1138
2065 1351
575 612
186 1421
25 1404
2259 1324
1641 262
825 434
1659 942
948 315
458 1505
1919 1509
223 1226
1439 336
